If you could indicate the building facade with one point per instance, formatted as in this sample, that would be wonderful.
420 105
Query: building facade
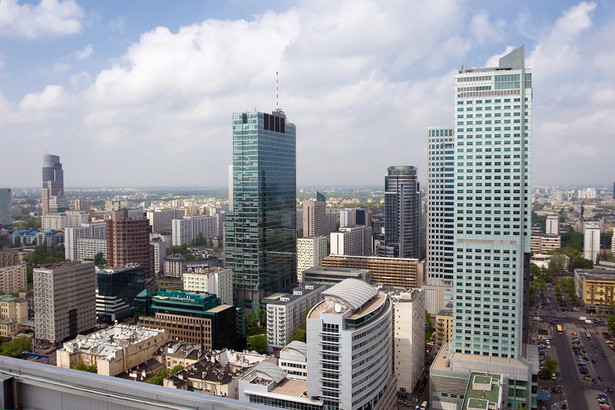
6 215
116 291
53 185
591 242
402 210
541 243
310 252
350 347
64 300
596 289
160 219
314 216
440 204
218 281
260 242
352 240
401 272
552 226
13 273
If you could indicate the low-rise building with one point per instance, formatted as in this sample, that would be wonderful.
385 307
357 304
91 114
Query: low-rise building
403 272
444 325
542 243
113 350
596 288
333 275
205 377
285 312
293 360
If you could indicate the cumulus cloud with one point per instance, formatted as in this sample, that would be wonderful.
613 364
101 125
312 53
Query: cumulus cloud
85 53
51 98
486 31
49 17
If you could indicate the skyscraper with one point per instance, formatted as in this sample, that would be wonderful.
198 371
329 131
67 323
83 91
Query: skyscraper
402 210
53 185
493 208
440 197
6 216
260 228
314 216
128 242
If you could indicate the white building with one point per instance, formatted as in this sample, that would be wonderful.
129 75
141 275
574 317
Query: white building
285 312
354 241
552 227
293 360
64 300
160 252
87 248
591 245
350 348
348 217
408 338
186 230
73 251
63 220
160 219
218 281
310 251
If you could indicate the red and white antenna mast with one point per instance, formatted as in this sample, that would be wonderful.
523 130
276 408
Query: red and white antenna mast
277 104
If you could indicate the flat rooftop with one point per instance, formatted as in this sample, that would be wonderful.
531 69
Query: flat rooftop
291 387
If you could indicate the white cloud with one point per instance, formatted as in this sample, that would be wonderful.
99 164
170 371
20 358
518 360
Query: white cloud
484 30
51 98
49 17
85 53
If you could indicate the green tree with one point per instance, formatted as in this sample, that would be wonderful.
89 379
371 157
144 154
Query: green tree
175 369
251 320
581 263
86 368
557 263
300 335
17 241
572 240
550 366
99 259
611 323
199 240
159 378
428 328
535 270
258 343
16 347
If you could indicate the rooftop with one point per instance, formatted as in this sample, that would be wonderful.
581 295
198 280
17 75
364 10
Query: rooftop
353 291
594 274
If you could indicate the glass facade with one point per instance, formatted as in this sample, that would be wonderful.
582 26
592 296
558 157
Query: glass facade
260 228
492 212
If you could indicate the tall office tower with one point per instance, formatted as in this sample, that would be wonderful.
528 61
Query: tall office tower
260 238
493 207
440 214
552 227
591 242
64 300
53 185
6 216
310 252
350 348
402 210
314 216
128 242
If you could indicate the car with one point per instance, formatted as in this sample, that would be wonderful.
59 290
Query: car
610 390
604 355
601 396
601 378
609 342
593 360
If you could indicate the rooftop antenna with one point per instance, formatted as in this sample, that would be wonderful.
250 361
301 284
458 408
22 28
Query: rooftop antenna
277 104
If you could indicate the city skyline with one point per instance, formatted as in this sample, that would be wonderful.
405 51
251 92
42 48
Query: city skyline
128 94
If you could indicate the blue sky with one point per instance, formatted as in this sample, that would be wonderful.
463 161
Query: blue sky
140 93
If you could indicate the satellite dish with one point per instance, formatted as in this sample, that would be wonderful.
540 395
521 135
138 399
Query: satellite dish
337 307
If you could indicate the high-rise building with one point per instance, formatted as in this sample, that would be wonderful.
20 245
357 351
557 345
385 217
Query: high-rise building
492 148
552 226
116 291
440 203
218 281
591 242
310 252
350 347
260 238
314 216
128 242
64 300
160 219
6 216
53 185
402 210
355 240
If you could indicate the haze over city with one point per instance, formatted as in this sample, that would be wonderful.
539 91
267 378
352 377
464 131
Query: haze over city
128 97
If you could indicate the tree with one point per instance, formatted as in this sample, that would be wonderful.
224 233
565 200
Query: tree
17 241
535 270
159 378
16 347
557 263
99 259
175 369
199 240
611 323
258 343
300 335
549 366
84 367
251 320
581 263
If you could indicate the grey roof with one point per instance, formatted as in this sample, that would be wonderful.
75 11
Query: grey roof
355 292
276 373
298 346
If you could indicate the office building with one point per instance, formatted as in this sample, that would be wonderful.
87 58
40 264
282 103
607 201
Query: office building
113 350
260 240
542 242
6 215
128 242
218 281
53 185
440 203
310 252
116 291
352 240
401 272
492 146
195 317
160 219
314 216
285 312
350 348
591 242
402 210
64 300
552 226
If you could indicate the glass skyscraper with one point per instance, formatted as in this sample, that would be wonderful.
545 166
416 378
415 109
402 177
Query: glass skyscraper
492 146
260 227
